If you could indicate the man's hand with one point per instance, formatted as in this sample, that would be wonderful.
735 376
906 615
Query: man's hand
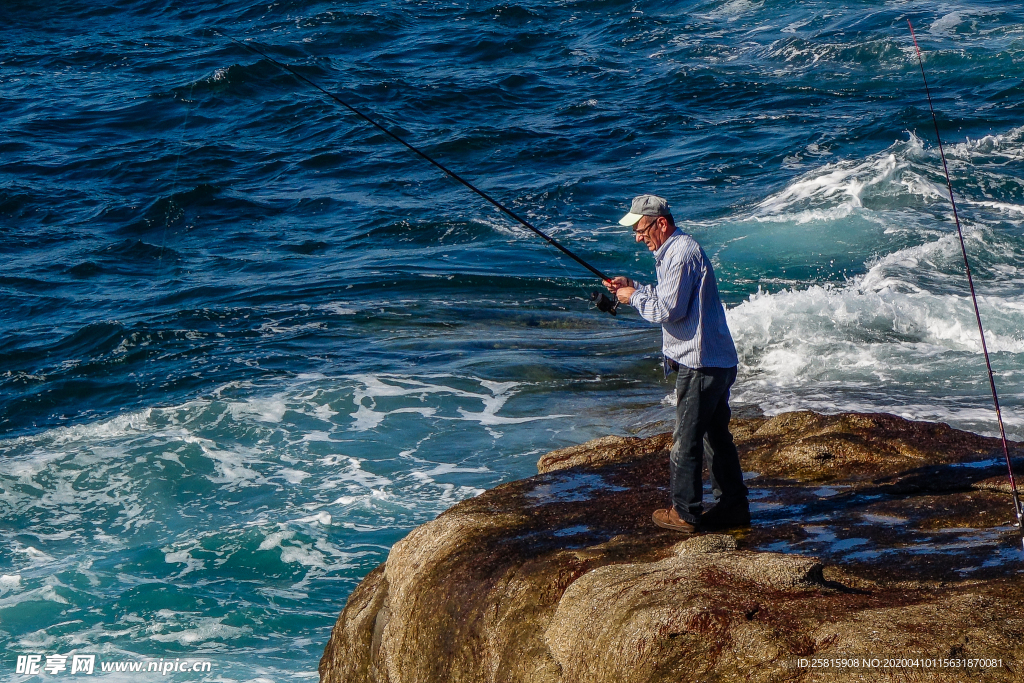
621 287
617 282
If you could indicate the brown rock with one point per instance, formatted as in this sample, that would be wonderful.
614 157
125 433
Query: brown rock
813 447
604 451
647 621
897 544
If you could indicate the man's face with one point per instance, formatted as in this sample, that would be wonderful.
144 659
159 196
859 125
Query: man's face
651 231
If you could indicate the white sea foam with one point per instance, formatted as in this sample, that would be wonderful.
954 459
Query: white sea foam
36 640
321 518
793 26
997 147
365 417
732 10
184 557
946 23
265 409
232 467
128 473
317 435
273 540
293 476
9 582
494 403
830 346
41 594
448 468
872 341
274 328
999 206
338 309
907 173
303 554
205 629
843 180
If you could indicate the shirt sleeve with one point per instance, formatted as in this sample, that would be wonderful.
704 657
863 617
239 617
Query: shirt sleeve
670 300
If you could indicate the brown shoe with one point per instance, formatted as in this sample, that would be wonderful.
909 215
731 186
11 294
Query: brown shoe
669 519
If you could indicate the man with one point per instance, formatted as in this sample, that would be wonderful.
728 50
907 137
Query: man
697 344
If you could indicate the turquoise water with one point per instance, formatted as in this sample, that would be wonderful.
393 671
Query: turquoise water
248 343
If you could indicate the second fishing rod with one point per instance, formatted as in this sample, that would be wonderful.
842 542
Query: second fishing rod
599 298
1017 509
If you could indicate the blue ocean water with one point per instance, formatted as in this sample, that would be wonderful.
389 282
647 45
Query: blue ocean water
248 342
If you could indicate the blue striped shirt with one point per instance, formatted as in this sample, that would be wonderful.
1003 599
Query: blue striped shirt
686 303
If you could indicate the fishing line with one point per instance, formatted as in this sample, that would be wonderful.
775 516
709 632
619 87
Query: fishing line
455 176
974 297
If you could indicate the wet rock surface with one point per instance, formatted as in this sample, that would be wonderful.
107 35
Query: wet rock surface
872 536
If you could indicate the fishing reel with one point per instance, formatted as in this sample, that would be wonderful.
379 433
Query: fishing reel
603 303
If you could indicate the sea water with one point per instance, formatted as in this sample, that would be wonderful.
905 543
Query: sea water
249 342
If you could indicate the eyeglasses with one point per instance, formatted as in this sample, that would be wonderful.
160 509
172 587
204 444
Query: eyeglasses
647 229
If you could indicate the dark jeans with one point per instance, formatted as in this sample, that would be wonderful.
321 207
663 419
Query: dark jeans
702 414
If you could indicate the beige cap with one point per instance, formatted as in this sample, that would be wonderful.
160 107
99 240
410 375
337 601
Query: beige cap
645 205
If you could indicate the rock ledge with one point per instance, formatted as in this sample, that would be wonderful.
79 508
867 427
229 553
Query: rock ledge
872 536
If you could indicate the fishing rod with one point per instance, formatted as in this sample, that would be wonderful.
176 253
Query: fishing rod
974 297
602 302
